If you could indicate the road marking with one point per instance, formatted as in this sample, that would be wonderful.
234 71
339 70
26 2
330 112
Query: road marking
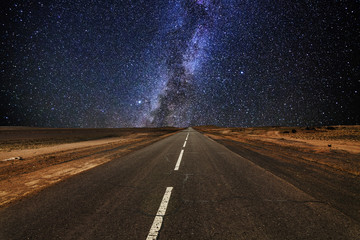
184 144
187 137
159 218
179 160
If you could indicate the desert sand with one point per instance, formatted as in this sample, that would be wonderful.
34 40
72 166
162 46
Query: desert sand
337 147
34 158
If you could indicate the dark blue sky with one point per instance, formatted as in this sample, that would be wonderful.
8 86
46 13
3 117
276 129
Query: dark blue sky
157 63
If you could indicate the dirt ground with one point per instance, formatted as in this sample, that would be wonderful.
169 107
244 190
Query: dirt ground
323 162
34 158
337 147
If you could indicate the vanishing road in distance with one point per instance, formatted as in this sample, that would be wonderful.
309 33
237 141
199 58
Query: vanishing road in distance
183 187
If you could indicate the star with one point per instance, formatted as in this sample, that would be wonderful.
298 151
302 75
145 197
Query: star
178 63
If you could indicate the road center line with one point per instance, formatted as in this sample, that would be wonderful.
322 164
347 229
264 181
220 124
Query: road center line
187 137
179 160
159 218
184 144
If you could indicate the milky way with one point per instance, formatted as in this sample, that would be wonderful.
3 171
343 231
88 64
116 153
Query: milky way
179 63
186 40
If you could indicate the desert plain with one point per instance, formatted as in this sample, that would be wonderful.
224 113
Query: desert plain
322 161
32 159
260 182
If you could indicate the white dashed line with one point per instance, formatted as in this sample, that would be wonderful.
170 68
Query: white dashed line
156 226
179 160
181 154
159 218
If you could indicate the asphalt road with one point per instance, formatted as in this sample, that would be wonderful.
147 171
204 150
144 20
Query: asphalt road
215 194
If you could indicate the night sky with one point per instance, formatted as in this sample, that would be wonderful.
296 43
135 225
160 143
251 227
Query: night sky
94 63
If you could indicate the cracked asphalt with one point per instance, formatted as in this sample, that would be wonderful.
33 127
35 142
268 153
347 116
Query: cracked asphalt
217 194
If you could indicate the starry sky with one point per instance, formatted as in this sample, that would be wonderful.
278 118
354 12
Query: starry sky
153 63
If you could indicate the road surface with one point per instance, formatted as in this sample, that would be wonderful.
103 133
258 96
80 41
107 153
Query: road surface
183 187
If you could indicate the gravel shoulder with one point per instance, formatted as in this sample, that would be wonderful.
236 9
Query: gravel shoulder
330 174
43 166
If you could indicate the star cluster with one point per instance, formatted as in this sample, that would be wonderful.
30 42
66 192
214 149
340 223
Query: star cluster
179 63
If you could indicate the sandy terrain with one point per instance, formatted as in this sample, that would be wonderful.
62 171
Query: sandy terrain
216 194
32 152
337 147
51 155
14 138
